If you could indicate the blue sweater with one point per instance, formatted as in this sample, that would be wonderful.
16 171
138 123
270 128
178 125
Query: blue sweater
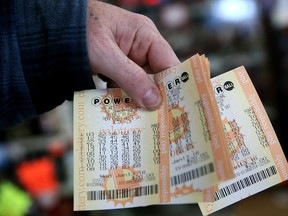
43 56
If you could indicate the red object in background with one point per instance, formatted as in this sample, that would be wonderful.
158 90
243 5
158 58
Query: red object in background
57 148
151 2
136 3
38 176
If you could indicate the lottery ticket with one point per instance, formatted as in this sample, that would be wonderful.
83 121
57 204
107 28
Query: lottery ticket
116 152
210 142
198 150
255 152
126 156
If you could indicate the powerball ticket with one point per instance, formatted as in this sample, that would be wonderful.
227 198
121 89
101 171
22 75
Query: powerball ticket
255 152
116 152
125 156
198 152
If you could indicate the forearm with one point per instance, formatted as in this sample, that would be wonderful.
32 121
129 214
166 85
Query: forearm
15 101
53 49
45 56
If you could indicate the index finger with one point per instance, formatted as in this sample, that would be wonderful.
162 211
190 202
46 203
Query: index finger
150 48
160 55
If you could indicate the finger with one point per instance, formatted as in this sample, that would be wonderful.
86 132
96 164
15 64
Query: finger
149 47
161 56
128 75
112 84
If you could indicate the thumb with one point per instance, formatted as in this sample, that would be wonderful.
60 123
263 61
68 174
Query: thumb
129 76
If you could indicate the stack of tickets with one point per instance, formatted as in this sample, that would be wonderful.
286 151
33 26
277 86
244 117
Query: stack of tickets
210 142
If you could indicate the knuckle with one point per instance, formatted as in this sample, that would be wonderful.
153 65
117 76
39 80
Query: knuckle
142 20
134 77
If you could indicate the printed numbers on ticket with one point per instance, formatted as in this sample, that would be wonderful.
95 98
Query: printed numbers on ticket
116 152
210 142
255 152
193 164
126 156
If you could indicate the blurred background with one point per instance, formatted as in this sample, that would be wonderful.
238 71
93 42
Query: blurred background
36 164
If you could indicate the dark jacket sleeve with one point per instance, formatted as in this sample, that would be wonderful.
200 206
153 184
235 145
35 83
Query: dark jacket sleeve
43 56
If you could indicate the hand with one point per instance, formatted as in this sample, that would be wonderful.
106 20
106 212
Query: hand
122 46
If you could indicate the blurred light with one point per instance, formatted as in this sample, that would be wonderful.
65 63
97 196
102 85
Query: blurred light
38 176
16 152
13 201
4 158
234 11
174 15
280 15
57 148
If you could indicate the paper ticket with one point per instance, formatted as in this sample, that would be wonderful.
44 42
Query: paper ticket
255 152
116 152
126 156
209 141
198 151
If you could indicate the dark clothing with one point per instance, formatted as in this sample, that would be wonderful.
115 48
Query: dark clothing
43 56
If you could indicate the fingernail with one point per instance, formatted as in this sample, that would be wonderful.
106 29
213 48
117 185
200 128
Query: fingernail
152 99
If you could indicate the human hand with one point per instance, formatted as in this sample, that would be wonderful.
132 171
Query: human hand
123 46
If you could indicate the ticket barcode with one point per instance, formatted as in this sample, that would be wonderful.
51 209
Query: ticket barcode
245 182
122 193
192 174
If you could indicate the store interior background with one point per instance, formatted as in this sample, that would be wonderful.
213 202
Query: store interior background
36 158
